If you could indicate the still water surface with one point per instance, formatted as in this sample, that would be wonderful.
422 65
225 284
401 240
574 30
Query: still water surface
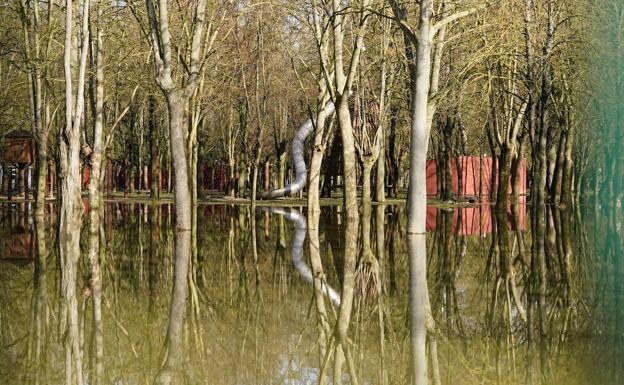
498 314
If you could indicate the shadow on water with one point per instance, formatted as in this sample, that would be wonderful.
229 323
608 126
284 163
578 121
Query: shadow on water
274 296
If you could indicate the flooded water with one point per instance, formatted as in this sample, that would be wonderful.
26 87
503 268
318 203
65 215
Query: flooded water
258 310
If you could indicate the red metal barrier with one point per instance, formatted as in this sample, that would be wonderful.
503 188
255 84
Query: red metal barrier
476 177
476 220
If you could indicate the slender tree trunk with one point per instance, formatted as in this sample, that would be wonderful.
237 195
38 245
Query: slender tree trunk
517 172
419 131
232 176
504 174
367 167
393 155
21 184
282 170
349 167
52 178
6 177
241 179
110 181
41 174
154 156
343 83
95 200
380 175
132 178
567 178
318 152
70 221
32 46
552 169
169 177
178 123
127 175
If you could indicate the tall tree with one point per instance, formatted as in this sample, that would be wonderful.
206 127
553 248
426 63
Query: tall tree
424 73
343 79
70 221
35 56
178 94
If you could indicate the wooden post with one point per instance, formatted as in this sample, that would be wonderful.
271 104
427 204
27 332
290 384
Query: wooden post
21 181
6 178
109 176
126 176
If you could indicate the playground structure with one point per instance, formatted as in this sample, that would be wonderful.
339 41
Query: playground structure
18 153
298 160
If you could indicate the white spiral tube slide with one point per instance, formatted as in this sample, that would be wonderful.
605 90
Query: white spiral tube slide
298 160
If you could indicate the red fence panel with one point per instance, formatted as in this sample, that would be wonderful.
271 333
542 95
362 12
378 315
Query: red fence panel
476 177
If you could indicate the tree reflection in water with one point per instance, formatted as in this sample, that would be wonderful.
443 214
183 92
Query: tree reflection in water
418 307
221 324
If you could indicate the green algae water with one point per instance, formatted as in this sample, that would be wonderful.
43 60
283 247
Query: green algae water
251 318
606 172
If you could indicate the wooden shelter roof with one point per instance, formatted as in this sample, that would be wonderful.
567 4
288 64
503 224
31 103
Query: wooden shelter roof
15 134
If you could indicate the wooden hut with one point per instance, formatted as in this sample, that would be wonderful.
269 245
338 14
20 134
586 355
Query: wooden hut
18 149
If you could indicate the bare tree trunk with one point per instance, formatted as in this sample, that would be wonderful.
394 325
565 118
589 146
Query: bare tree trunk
41 173
154 156
127 175
350 199
367 167
504 174
241 178
169 177
367 256
232 177
177 106
320 143
6 177
180 148
567 178
517 170
281 179
70 221
95 200
380 175
342 91
419 127
30 21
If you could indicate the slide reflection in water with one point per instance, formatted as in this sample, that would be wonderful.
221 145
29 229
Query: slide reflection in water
297 248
